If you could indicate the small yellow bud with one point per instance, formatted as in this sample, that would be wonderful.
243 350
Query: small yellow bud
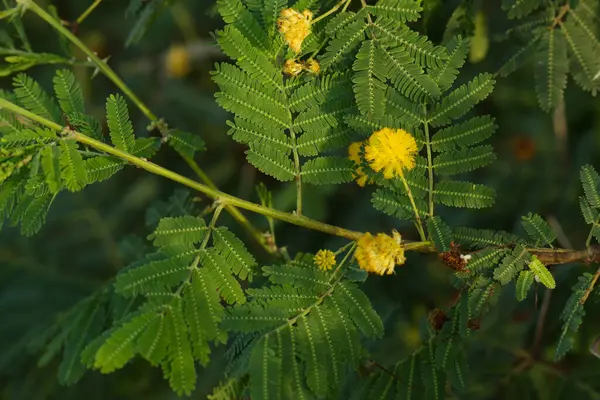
312 66
325 259
292 67
177 62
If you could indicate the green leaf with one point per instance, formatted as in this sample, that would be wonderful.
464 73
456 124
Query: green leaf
68 92
538 230
179 367
551 67
32 97
361 311
445 75
368 79
461 100
50 161
35 215
423 51
234 252
270 12
146 147
520 8
167 269
203 313
399 10
397 205
511 265
541 273
314 142
468 133
153 342
86 124
406 76
485 259
27 137
271 162
572 315
73 170
179 230
254 62
463 194
266 371
101 168
440 233
298 276
478 238
327 170
119 347
591 185
185 143
465 160
346 41
119 124
220 272
524 283
244 131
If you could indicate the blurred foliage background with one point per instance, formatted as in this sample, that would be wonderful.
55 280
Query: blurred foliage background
92 234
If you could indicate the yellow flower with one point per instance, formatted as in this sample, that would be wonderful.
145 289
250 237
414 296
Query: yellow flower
292 67
379 254
312 66
361 178
391 150
178 62
325 259
295 27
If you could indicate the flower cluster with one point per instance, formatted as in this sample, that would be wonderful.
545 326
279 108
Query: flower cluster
391 150
293 67
325 259
380 254
295 27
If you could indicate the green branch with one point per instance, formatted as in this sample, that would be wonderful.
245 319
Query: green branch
111 75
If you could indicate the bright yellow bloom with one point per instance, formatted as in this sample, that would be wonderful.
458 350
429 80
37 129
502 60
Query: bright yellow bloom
295 27
177 61
353 150
325 259
292 67
379 254
391 150
312 66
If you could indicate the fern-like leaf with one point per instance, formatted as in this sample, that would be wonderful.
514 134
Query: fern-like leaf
445 75
68 92
179 230
234 252
591 185
520 8
73 170
31 95
551 69
465 160
440 232
461 100
511 265
368 78
327 170
538 229
399 10
524 282
464 194
271 162
119 124
468 133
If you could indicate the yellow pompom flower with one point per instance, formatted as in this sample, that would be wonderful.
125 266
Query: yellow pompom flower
295 27
379 254
325 259
391 150
312 66
178 62
353 150
292 67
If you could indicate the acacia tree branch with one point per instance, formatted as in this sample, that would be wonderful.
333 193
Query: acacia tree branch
112 76
547 256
